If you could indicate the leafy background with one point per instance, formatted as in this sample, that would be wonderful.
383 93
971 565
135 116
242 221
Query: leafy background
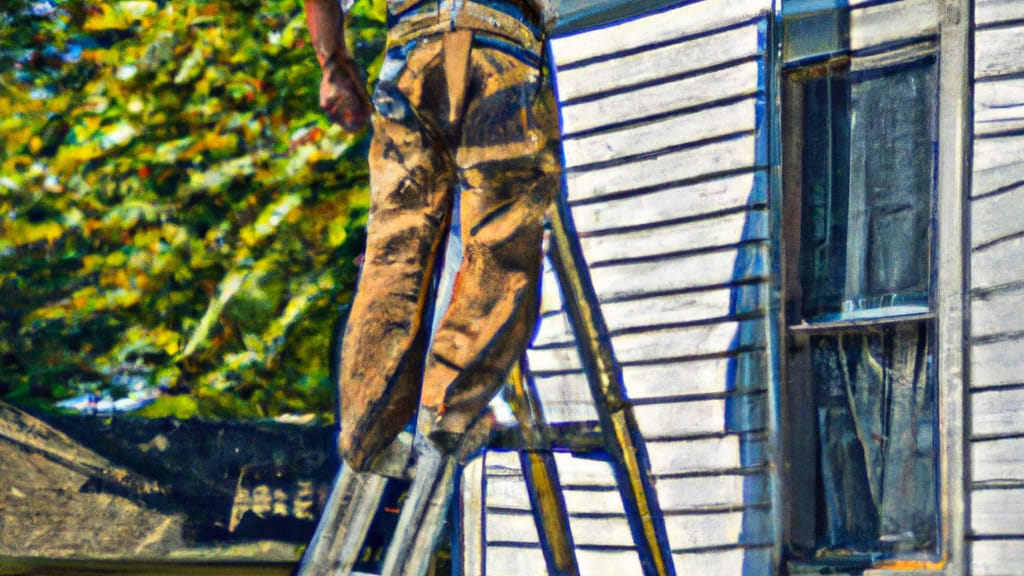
173 205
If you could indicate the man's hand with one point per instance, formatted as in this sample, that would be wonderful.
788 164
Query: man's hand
343 96
342 93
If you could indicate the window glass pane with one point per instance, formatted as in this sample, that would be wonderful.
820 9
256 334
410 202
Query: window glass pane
875 398
867 180
891 180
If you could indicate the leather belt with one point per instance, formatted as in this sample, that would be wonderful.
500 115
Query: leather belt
469 16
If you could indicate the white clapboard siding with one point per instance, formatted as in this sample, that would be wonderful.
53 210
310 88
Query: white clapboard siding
668 309
508 527
998 313
688 163
608 562
578 471
690 531
706 233
987 12
998 216
997 52
998 163
566 398
553 329
515 561
997 557
998 460
548 360
659 28
695 493
683 456
999 105
647 137
688 92
664 62
472 507
610 531
730 561
681 378
691 201
594 500
997 363
997 412
674 419
998 264
997 512
877 25
670 274
699 340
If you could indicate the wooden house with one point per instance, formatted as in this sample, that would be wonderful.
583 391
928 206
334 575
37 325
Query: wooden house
782 328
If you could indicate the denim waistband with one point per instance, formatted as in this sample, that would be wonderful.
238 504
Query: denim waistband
521 10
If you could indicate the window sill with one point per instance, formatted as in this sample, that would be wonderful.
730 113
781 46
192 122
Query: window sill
858 324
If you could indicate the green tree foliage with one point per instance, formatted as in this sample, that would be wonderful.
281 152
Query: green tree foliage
173 203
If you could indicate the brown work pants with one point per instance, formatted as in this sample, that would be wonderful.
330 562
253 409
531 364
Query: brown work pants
500 150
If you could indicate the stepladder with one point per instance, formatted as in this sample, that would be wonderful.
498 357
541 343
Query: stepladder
389 522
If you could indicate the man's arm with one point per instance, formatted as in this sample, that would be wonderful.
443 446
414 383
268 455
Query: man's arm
342 94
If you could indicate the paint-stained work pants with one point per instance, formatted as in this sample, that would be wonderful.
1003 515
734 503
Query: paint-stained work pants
500 150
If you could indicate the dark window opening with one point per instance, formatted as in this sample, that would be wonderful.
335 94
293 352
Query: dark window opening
860 389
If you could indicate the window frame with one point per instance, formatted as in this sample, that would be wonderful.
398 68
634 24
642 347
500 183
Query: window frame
947 301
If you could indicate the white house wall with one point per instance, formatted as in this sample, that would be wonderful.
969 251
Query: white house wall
996 354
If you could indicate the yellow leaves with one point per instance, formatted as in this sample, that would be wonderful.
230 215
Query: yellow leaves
118 15
271 216
21 232
35 144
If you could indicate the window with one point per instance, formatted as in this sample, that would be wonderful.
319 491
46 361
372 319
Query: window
859 128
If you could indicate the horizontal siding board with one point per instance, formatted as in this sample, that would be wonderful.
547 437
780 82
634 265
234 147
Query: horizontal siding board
997 557
998 313
668 309
607 501
612 531
692 271
553 329
515 561
518 527
997 412
998 264
581 471
689 531
987 12
662 133
997 512
697 340
999 105
670 96
690 201
688 456
877 25
997 363
998 460
657 63
657 28
554 360
507 492
726 230
997 51
703 492
674 419
704 160
996 217
699 376
723 562
608 562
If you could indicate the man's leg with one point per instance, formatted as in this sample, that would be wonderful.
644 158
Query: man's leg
411 182
509 170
